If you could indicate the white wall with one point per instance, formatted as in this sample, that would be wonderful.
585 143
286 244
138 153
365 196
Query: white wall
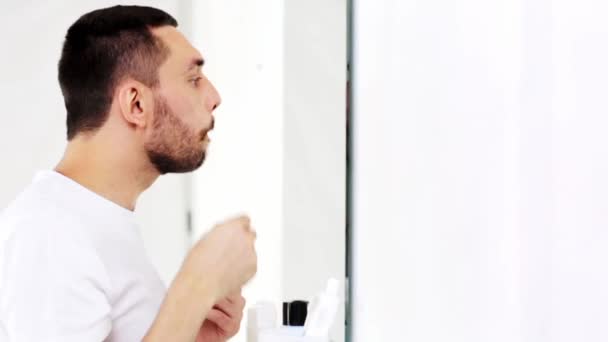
242 42
314 193
33 118
278 151
480 171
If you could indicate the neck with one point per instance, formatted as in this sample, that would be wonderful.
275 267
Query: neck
109 169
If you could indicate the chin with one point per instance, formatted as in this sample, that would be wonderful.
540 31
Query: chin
198 164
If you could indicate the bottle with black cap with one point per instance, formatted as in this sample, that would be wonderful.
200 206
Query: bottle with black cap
294 313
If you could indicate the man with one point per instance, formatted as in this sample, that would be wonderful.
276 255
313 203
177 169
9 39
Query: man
73 267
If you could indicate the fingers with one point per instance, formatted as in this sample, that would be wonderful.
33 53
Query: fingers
232 306
227 314
222 320
240 220
244 220
229 325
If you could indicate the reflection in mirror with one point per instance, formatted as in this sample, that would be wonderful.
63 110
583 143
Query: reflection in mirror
73 221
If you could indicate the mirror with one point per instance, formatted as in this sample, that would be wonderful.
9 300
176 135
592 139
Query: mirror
279 144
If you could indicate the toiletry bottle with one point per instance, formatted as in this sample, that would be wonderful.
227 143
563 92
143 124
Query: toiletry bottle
262 316
323 311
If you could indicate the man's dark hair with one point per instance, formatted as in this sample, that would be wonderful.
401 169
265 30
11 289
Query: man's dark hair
102 48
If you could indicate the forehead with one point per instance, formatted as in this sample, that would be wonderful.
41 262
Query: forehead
181 51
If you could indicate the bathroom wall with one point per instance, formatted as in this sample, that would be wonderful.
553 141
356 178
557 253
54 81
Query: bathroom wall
480 171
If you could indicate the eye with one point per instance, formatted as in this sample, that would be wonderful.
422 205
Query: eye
196 80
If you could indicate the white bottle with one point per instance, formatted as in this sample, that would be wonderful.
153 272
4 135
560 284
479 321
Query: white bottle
323 311
262 316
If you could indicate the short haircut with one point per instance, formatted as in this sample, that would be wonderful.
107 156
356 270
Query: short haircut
101 49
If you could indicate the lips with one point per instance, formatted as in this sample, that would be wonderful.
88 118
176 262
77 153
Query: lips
205 133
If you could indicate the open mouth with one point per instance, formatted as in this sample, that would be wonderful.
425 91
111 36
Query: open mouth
205 134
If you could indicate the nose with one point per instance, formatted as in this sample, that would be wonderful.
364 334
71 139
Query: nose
214 98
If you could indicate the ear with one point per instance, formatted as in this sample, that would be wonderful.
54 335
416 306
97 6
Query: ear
135 103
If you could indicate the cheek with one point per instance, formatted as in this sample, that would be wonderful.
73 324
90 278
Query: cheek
188 105
195 116
182 108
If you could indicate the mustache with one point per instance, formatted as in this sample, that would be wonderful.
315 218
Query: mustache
208 129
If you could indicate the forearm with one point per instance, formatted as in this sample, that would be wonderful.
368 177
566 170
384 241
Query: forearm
186 305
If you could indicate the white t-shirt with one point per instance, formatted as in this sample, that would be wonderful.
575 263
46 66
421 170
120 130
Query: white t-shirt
73 267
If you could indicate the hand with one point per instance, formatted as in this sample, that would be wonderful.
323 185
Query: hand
198 305
224 320
225 258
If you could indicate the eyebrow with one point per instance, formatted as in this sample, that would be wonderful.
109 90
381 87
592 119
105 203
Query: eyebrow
196 62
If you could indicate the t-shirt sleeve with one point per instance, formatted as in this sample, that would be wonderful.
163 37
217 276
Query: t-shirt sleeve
53 288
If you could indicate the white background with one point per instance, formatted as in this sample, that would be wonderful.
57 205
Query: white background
481 208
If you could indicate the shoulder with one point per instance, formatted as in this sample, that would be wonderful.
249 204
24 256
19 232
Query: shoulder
38 233
49 267
38 218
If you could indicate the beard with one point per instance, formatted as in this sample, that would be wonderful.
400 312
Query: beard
174 147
